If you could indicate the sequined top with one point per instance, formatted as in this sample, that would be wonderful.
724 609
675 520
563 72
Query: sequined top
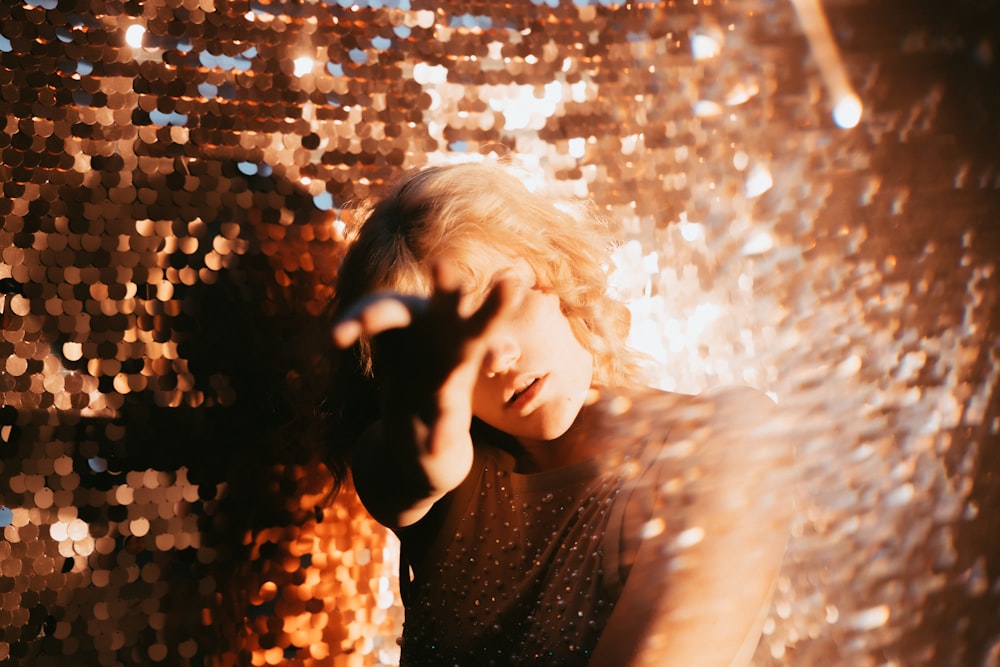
517 568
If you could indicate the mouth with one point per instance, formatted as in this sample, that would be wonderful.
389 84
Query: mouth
525 392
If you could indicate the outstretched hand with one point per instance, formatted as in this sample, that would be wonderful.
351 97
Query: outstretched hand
427 353
426 347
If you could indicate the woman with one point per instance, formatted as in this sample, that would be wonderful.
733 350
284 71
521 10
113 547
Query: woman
550 509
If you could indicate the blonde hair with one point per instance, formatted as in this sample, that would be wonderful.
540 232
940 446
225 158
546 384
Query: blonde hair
478 212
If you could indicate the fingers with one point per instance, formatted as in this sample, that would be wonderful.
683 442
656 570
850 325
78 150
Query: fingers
447 293
346 333
372 316
499 303
383 311
446 277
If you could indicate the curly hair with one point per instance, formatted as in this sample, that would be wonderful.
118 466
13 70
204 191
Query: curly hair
475 214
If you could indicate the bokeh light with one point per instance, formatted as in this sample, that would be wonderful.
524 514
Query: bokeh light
807 194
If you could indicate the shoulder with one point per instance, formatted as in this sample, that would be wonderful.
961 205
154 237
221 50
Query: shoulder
651 410
726 433
651 398
739 408
739 398
704 535
720 408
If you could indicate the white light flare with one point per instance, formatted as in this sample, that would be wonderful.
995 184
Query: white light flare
847 106
706 43
847 111
303 65
134 35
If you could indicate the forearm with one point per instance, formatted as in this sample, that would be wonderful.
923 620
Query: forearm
426 359
702 608
409 461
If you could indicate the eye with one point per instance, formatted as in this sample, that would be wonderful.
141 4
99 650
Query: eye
522 279
474 298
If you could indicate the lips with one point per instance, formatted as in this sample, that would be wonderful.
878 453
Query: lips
521 394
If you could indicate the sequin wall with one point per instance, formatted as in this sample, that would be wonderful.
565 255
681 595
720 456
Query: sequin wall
174 175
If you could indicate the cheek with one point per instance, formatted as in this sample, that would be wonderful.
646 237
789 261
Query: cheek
568 355
565 335
479 397
486 401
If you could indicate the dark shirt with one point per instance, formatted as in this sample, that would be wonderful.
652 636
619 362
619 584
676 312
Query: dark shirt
517 569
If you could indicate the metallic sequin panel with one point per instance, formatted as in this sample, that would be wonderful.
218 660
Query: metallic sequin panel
808 195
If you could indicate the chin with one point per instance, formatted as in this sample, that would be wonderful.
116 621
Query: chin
540 429
556 424
553 432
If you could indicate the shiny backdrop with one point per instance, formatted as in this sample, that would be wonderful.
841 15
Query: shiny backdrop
808 195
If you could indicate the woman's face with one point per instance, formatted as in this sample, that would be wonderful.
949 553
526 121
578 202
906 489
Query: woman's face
536 374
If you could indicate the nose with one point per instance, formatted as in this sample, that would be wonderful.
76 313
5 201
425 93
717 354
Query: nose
502 355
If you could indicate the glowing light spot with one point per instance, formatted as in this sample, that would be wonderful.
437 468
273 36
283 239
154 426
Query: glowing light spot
385 599
832 614
267 591
522 109
847 106
57 531
759 181
620 405
690 537
653 527
741 93
849 366
139 527
869 619
707 108
706 43
430 74
303 65
847 111
72 350
630 143
134 35
901 495
77 530
651 263
704 315
692 231
757 244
